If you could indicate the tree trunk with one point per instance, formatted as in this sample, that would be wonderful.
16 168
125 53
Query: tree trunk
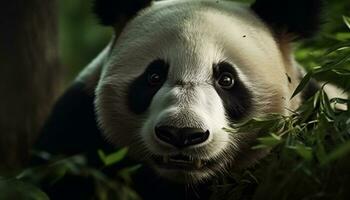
30 75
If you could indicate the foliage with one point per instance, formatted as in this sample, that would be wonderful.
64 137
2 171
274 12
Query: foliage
16 189
310 154
26 185
310 149
334 34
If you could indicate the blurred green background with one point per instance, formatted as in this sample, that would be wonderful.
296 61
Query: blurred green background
81 37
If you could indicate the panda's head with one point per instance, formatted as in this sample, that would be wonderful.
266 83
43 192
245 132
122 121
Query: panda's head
181 73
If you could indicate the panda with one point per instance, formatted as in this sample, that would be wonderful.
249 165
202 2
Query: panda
174 78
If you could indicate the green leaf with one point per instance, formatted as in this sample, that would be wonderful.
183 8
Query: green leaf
269 141
335 63
302 150
102 155
346 21
114 157
316 99
339 152
326 106
343 36
18 190
340 101
342 72
302 84
337 47
127 172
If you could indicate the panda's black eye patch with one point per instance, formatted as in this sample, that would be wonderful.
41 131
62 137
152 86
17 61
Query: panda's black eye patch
156 72
144 87
237 99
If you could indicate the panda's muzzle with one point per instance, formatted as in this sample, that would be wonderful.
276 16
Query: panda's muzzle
180 161
181 137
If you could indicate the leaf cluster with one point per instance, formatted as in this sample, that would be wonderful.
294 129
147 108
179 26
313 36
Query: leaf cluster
310 148
28 184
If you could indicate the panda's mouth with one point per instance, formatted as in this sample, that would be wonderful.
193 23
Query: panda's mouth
180 162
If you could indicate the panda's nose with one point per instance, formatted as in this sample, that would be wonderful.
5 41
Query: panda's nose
181 137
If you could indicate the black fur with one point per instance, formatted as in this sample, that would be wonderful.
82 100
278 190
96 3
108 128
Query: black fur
238 99
72 129
111 11
140 92
302 18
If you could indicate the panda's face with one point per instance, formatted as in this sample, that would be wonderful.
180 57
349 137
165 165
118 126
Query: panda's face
179 76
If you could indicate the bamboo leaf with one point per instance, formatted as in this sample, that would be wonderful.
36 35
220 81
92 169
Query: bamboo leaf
302 150
339 152
268 141
346 21
302 84
114 157
18 190
338 47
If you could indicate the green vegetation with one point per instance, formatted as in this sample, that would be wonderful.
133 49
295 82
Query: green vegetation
27 184
310 155
310 149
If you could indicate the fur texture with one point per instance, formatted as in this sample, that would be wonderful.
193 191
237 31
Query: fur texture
188 45
191 39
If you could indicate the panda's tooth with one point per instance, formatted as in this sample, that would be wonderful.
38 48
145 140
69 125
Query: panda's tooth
165 159
198 163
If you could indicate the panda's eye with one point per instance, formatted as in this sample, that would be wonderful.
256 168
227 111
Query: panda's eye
154 79
226 80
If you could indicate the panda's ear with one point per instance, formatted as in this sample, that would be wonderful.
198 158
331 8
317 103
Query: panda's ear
111 12
300 18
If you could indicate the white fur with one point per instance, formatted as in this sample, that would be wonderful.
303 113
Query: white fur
91 74
191 36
